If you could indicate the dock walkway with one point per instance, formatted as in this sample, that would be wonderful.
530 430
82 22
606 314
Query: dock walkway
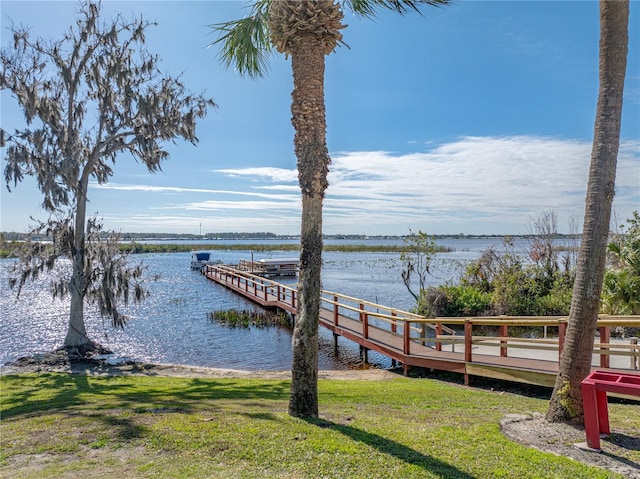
446 344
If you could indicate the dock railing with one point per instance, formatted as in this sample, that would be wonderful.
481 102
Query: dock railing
443 333
624 352
410 326
256 287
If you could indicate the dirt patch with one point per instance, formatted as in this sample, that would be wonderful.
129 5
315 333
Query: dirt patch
561 439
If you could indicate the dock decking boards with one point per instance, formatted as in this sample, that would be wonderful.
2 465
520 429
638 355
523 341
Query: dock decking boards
400 334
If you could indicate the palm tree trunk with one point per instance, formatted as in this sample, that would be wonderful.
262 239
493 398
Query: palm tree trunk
304 385
575 363
308 118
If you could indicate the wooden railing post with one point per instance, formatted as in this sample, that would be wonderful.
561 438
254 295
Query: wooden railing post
562 331
468 340
394 326
635 353
605 338
438 333
504 332
407 337
468 343
335 310
365 326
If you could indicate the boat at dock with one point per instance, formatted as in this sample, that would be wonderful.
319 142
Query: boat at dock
200 259
271 267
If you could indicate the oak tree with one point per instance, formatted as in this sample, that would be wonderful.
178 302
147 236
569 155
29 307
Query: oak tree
88 98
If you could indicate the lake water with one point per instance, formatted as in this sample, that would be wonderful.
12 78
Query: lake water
172 325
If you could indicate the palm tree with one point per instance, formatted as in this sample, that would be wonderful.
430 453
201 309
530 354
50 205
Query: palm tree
305 30
575 363
621 286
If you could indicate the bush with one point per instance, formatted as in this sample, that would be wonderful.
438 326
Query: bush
502 283
455 301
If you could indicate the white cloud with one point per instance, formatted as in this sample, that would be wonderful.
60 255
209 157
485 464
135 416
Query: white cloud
174 189
264 173
291 205
472 185
496 180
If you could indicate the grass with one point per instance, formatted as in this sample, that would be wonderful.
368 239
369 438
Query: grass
59 425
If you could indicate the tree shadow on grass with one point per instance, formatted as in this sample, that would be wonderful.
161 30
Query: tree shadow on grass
395 449
57 392
125 429
618 445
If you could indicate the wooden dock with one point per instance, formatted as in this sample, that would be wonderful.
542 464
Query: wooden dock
415 341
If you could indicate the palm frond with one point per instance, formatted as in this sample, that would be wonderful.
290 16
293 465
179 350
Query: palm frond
245 43
369 8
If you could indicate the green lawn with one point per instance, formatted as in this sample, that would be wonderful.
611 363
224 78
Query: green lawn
63 426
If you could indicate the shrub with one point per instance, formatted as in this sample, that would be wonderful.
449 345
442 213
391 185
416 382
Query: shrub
500 283
455 301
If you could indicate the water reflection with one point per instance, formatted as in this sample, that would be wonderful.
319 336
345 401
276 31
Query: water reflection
172 325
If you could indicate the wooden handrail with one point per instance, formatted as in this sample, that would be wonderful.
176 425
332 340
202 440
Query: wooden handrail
375 318
394 316
394 311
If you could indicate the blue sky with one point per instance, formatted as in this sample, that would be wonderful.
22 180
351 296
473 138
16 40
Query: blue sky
472 119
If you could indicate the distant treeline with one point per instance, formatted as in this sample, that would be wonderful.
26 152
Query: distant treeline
9 242
14 236
181 248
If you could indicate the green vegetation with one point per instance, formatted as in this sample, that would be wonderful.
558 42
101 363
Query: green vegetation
504 282
248 318
147 426
8 248
416 258
188 247
621 287
174 248
539 283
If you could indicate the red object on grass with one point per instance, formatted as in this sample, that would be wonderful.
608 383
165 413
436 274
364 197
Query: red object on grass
594 400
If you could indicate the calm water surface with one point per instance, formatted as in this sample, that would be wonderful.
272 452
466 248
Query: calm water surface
172 325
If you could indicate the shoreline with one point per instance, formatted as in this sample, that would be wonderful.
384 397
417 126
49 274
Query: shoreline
60 362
